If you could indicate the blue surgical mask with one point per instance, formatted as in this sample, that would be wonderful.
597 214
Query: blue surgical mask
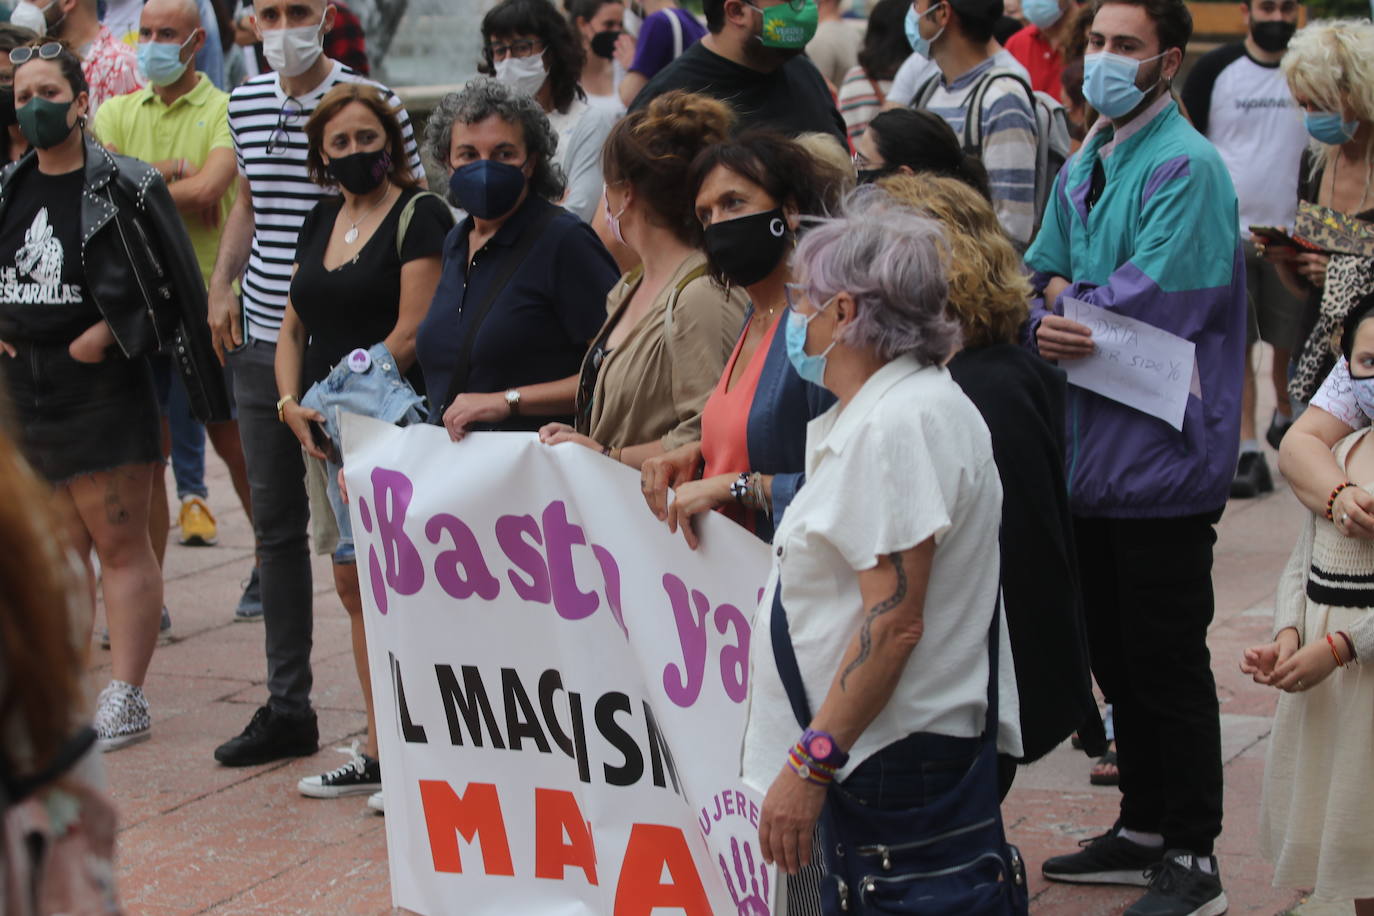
1363 389
810 368
1109 82
161 63
486 188
1327 127
1041 13
913 30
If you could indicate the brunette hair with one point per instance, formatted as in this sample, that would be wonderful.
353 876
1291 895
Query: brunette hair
335 101
563 48
1173 22
885 47
782 167
923 142
652 148
988 291
69 62
41 696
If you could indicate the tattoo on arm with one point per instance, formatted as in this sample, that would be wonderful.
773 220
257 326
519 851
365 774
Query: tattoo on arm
878 610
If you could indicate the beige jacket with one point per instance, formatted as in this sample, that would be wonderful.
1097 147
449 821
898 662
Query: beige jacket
655 384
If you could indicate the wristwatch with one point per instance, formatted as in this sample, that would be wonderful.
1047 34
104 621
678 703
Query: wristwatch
821 747
281 407
513 400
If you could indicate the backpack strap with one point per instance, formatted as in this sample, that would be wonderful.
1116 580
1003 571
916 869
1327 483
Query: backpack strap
407 214
692 275
923 94
973 117
677 32
529 237
16 788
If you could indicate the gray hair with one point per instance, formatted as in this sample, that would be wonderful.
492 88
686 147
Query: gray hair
480 99
890 259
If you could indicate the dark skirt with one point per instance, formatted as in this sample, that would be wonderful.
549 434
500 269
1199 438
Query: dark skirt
77 418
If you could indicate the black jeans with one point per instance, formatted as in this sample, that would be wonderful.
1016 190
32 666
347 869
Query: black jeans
1147 597
281 515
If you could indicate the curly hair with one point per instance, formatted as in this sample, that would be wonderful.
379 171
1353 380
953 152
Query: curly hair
482 98
563 52
988 292
1331 64
890 259
652 148
335 101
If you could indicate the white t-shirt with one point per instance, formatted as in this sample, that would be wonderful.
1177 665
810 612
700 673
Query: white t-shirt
582 131
1336 396
908 459
915 70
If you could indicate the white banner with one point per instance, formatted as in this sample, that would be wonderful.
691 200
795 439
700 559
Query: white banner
559 682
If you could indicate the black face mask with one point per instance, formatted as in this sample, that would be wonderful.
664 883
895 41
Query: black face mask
7 114
868 176
360 173
746 249
603 43
1272 36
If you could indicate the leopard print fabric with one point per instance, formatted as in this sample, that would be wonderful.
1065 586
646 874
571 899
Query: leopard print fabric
1348 277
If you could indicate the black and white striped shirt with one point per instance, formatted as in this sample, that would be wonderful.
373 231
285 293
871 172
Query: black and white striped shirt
270 143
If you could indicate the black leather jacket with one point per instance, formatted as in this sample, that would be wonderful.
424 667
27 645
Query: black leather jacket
141 269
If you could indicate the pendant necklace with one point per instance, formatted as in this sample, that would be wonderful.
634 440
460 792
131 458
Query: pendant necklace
351 235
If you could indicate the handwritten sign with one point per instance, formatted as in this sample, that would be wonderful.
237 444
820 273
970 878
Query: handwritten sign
1134 363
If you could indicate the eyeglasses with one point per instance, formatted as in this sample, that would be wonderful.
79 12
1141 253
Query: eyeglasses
794 293
47 51
523 48
280 139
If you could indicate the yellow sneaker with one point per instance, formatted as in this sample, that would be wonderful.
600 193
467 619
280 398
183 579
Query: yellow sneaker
197 523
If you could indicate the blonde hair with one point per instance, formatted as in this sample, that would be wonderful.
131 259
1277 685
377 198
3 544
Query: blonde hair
988 291
828 151
1331 64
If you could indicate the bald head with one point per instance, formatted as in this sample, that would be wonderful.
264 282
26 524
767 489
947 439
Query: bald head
183 15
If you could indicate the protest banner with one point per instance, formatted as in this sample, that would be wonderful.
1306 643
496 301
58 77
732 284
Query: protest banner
560 683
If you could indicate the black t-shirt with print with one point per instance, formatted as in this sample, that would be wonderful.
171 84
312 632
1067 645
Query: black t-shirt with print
44 297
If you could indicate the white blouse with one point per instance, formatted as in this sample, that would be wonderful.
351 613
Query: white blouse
908 459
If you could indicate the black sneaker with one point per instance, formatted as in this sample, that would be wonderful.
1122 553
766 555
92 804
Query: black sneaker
1278 425
1252 477
249 609
1105 859
1179 887
271 736
362 775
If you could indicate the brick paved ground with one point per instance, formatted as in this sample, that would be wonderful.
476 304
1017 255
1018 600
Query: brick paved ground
197 837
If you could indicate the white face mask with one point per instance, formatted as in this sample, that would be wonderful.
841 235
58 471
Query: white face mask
30 16
632 22
291 52
523 74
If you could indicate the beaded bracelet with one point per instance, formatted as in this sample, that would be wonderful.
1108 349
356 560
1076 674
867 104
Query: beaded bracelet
1331 500
1349 645
1334 654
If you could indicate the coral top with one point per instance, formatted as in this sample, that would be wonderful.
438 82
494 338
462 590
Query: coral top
725 419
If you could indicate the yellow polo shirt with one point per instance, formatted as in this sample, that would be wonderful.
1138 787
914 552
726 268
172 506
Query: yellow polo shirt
140 125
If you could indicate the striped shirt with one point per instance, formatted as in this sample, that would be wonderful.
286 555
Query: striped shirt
1008 145
269 140
860 100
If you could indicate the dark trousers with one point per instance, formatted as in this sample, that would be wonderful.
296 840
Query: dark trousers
281 515
1147 596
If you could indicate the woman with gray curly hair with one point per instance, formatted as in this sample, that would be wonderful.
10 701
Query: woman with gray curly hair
524 282
886 563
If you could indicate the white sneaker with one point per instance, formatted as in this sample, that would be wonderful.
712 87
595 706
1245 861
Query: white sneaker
374 801
121 716
362 775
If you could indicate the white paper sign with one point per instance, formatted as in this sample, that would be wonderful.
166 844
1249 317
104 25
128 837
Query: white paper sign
559 682
1133 363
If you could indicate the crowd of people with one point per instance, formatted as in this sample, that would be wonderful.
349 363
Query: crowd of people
810 271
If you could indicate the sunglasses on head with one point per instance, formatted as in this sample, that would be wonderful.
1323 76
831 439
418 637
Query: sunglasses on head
47 51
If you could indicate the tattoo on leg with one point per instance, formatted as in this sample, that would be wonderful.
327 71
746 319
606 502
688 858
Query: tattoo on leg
878 610
115 513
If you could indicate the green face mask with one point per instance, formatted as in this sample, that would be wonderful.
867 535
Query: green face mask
43 122
789 25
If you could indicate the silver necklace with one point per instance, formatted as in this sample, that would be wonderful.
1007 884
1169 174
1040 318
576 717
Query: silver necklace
351 235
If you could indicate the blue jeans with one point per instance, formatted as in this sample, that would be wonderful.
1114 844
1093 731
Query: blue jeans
188 443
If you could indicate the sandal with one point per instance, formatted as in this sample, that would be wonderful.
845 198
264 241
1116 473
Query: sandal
1105 771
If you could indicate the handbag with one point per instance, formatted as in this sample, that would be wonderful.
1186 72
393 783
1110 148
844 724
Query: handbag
949 857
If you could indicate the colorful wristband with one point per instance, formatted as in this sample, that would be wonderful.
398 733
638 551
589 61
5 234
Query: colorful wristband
1331 500
1331 642
1349 644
